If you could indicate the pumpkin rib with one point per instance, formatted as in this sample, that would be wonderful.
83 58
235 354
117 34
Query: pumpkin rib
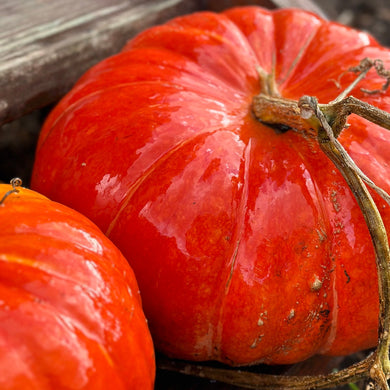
256 24
82 100
26 235
314 263
240 78
336 69
72 336
149 172
291 47
49 298
299 56
329 332
195 254
331 56
231 31
312 40
192 71
84 81
230 262
50 272
107 273
36 240
85 98
377 170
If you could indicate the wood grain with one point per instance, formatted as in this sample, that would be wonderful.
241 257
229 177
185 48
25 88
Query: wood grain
46 45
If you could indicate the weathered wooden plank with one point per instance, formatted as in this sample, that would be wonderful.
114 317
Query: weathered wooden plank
308 5
46 45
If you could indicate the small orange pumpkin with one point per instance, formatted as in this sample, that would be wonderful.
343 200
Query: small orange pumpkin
70 309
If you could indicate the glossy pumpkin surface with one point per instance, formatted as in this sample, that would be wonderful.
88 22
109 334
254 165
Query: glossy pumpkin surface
247 243
70 310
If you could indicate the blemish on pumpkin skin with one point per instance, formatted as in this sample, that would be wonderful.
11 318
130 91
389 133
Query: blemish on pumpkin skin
256 342
291 315
316 284
262 317
336 204
325 313
339 226
234 257
312 316
322 234
348 277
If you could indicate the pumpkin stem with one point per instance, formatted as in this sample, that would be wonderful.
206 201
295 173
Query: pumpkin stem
15 182
268 82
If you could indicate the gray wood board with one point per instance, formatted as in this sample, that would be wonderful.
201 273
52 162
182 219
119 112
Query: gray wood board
45 46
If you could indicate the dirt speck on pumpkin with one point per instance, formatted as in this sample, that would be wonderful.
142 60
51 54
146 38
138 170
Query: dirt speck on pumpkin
315 284
262 317
336 204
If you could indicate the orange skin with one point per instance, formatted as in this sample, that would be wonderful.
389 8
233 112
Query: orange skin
247 244
70 309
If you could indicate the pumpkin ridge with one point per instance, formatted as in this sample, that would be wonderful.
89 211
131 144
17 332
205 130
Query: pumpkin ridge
72 334
46 270
323 215
167 84
59 313
147 173
67 317
307 67
297 59
258 43
235 80
211 80
232 259
193 71
82 99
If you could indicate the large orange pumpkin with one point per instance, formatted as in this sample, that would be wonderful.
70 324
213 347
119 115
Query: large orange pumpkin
246 241
70 309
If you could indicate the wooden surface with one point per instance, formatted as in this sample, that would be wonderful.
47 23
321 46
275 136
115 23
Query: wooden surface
46 45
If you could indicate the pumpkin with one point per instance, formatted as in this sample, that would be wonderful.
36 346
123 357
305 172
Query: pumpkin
70 309
247 243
